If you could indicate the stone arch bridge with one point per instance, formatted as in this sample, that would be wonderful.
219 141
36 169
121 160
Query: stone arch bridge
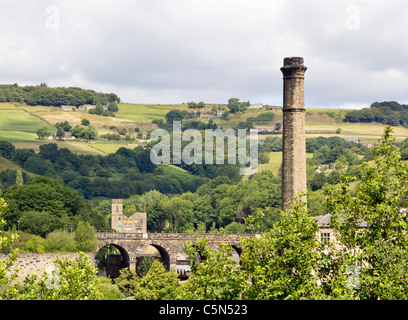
169 245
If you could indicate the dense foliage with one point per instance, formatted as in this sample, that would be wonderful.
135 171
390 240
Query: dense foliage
286 262
46 96
388 112
289 262
182 199
118 175
43 205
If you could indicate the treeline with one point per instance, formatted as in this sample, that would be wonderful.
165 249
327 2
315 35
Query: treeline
43 205
234 105
325 150
117 175
388 112
46 96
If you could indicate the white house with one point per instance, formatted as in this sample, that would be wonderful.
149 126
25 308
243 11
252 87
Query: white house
256 106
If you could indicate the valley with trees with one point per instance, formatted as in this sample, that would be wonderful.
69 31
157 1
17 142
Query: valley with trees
60 168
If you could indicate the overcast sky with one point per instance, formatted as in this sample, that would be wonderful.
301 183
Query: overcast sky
174 51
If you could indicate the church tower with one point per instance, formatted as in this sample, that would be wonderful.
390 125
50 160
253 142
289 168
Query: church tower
117 214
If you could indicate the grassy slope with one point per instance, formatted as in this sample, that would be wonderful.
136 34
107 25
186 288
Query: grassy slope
7 164
319 123
18 123
275 161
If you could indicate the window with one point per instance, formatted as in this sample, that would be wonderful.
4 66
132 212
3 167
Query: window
117 208
139 224
324 237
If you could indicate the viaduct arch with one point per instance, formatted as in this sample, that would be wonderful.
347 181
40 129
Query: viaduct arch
132 245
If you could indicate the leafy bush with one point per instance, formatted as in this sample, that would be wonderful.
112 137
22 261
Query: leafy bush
60 241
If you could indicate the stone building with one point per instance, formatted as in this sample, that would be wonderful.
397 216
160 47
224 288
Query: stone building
137 222
326 234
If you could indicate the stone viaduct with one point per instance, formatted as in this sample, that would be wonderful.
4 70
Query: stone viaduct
169 245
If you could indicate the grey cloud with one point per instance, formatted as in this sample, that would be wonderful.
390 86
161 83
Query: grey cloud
177 51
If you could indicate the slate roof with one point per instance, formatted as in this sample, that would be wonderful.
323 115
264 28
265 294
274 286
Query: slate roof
323 221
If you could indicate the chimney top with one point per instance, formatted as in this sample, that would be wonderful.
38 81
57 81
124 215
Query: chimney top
293 61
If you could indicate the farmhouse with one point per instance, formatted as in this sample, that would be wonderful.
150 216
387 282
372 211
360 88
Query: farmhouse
67 136
67 108
326 233
86 107
256 106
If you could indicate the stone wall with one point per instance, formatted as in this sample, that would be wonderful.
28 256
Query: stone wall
38 263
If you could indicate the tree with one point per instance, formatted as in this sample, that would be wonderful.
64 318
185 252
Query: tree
288 261
106 290
192 105
85 238
90 133
282 263
381 256
7 149
70 280
113 107
60 133
38 223
43 133
19 178
201 104
128 282
7 275
318 181
60 241
174 115
179 214
157 284
37 165
217 277
42 194
234 105
63 125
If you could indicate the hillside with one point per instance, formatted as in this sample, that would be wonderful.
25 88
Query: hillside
115 164
19 123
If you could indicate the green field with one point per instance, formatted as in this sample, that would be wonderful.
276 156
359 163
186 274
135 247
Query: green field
110 147
17 136
325 123
275 161
77 147
18 123
140 112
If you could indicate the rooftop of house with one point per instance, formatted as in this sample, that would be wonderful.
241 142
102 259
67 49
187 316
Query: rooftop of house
323 221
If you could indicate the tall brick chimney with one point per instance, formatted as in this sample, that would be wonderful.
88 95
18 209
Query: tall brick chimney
294 142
